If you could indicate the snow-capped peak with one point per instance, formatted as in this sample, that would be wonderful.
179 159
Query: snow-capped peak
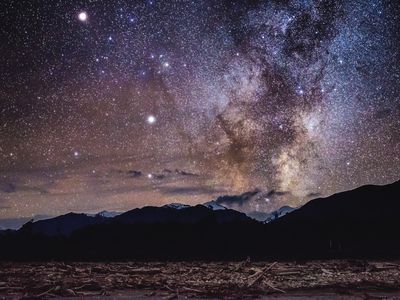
177 205
214 205
279 213
108 214
104 214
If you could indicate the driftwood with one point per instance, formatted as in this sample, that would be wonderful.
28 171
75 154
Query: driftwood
194 279
45 293
257 276
274 288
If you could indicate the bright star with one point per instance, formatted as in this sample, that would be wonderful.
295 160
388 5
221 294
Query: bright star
151 119
76 153
83 16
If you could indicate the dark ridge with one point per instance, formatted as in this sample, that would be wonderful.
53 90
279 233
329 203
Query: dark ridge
362 223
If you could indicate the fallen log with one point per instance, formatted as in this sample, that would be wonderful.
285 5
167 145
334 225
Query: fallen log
256 277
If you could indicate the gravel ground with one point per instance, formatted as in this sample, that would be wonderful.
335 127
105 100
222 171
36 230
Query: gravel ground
354 279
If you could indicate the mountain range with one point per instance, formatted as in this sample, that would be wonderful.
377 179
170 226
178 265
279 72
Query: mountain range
65 225
358 223
80 221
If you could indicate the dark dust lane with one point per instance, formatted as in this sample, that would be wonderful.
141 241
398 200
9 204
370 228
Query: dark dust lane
325 279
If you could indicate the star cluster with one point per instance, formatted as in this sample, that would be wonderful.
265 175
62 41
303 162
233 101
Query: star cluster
118 104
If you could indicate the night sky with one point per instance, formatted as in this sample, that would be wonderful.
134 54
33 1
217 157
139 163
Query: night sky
119 104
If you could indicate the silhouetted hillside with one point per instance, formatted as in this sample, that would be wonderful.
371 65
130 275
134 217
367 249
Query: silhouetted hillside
358 223
62 225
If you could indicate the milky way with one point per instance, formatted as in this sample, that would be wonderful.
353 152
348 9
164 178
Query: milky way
119 104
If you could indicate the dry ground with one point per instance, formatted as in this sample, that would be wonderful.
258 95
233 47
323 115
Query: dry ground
230 280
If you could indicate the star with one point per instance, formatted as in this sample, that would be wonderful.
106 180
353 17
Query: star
151 119
83 16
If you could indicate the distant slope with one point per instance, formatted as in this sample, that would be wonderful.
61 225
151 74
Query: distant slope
195 232
190 214
370 202
360 222
65 225
62 225
267 217
279 213
16 223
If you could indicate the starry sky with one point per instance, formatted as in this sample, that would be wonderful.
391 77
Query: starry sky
119 104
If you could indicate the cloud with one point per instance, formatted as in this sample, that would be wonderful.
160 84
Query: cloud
165 173
239 200
189 190
134 173
314 195
254 201
185 173
276 193
8 187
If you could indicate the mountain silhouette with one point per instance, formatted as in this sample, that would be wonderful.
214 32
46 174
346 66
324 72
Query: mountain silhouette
361 223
